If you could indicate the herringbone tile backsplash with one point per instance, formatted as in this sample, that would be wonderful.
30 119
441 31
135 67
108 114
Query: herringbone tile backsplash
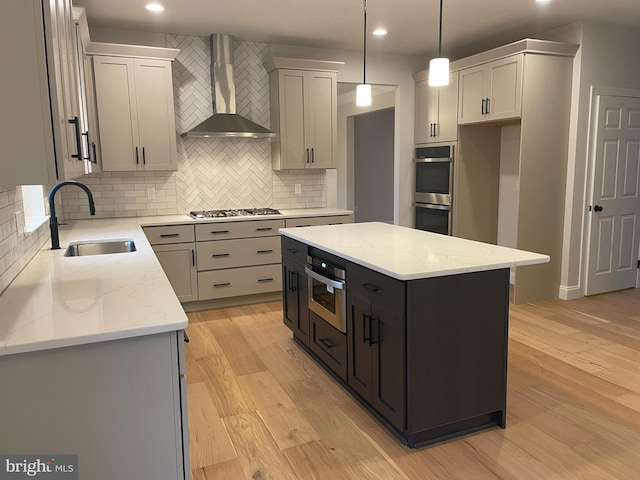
212 173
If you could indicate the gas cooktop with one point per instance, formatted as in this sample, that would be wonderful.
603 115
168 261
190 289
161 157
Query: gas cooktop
241 212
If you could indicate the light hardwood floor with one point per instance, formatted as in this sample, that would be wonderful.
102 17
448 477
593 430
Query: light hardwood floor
261 409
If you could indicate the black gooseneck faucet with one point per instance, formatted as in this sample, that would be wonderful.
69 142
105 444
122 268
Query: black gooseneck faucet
53 220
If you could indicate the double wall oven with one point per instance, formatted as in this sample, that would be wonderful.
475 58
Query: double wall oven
433 194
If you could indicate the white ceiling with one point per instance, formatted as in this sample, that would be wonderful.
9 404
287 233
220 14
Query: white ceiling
469 26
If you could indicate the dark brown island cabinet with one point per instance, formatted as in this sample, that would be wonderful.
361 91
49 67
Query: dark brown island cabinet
427 357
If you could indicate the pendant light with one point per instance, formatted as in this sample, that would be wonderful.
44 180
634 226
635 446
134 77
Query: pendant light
363 91
439 67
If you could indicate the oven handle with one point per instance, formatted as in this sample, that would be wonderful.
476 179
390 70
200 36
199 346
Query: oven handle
432 206
433 160
327 281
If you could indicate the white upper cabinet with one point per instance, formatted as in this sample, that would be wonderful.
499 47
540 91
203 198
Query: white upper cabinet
39 93
136 121
303 113
436 110
492 91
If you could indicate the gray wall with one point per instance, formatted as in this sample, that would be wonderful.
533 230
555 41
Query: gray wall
373 166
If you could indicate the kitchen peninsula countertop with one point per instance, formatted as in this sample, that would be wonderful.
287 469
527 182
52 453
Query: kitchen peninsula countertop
59 301
409 254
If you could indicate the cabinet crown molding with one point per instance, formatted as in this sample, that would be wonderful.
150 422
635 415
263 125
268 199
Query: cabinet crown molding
273 63
137 51
527 45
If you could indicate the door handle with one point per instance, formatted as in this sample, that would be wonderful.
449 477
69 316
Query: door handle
137 158
488 109
307 155
483 103
366 322
313 155
597 208
326 342
144 157
95 154
265 251
220 255
86 141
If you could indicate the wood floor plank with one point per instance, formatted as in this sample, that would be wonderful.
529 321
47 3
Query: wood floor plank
229 470
259 455
242 358
226 392
281 415
209 442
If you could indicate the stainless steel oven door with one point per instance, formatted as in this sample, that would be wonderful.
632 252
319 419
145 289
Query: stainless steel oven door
327 298
433 218
434 179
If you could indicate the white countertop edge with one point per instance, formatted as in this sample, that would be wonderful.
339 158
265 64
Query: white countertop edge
76 341
441 272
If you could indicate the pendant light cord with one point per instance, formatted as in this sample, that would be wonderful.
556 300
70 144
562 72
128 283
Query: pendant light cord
440 33
364 60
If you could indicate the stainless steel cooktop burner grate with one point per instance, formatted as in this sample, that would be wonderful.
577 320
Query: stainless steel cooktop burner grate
241 212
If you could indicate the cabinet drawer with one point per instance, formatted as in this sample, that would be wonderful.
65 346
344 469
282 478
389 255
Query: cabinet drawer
293 249
242 252
239 281
329 344
169 234
385 292
311 221
239 229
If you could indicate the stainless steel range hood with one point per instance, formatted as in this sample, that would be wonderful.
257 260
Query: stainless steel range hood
225 122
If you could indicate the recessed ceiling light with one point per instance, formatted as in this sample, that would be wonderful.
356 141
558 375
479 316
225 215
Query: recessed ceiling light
380 32
155 7
543 1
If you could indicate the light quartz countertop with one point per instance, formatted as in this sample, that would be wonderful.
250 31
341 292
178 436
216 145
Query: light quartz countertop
409 254
59 301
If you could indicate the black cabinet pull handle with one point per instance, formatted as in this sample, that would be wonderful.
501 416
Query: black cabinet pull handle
169 235
218 285
313 155
292 285
435 129
220 255
488 110
292 250
303 225
95 154
366 325
264 229
265 251
144 157
193 257
86 141
137 158
483 103
326 342
307 155
76 124
186 337
265 280
370 286
218 232
373 341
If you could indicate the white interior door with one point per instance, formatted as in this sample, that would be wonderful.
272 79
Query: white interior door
614 226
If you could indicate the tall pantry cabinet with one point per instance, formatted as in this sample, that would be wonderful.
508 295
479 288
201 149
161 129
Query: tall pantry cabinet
510 167
40 131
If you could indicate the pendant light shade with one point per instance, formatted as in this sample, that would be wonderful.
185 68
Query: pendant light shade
363 91
363 95
439 67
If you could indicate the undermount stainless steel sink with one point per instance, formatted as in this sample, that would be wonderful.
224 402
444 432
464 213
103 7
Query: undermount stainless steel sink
100 247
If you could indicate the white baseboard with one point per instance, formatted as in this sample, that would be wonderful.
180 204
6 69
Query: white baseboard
570 293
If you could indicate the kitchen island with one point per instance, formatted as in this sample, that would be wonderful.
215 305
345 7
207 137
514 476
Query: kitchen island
423 344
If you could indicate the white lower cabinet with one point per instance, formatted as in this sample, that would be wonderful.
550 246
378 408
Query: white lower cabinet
238 258
119 405
175 248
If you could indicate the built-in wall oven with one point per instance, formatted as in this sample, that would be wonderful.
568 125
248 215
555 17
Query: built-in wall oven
433 197
327 295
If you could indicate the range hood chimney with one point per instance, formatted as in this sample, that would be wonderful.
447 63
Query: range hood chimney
225 122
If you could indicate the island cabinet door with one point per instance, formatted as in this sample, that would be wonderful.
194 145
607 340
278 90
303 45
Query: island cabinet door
294 299
376 356
360 361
